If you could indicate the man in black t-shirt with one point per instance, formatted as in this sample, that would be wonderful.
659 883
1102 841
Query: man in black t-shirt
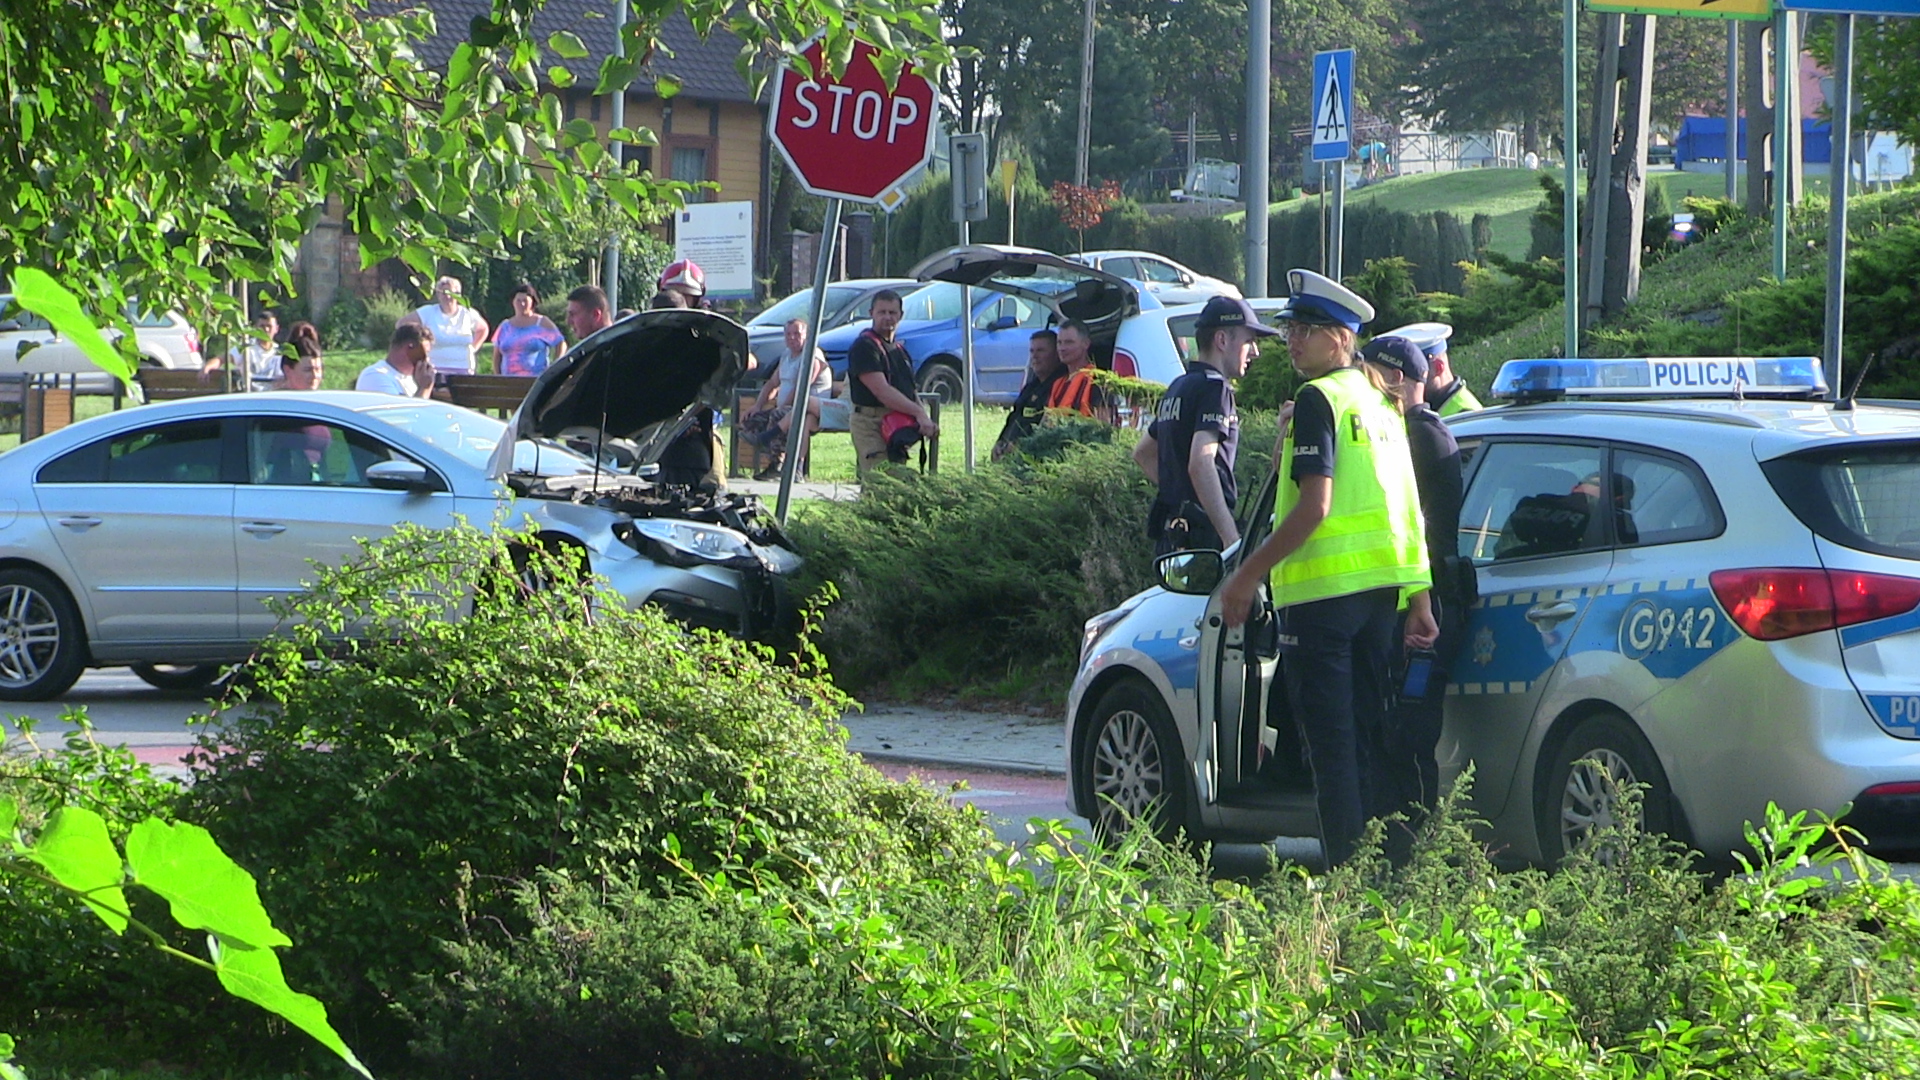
1043 373
880 381
1188 451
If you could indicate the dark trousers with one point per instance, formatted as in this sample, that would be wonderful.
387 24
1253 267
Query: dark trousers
1336 654
1409 770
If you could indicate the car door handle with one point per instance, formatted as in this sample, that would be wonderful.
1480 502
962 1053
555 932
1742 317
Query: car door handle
1544 615
263 528
79 522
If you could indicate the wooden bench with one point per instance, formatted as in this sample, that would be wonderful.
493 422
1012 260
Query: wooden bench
500 393
172 384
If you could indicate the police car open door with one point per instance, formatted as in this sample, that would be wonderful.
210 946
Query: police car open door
1250 755
1531 522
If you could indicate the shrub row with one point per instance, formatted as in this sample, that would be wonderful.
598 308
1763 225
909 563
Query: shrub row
961 579
1060 961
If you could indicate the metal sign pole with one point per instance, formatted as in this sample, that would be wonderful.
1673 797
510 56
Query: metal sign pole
1337 242
1570 208
966 357
1841 172
797 438
1786 123
1733 110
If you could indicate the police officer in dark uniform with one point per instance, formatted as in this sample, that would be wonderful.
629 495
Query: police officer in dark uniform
1188 451
1447 392
1410 773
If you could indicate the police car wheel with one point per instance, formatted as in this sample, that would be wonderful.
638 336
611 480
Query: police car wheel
1132 764
1581 793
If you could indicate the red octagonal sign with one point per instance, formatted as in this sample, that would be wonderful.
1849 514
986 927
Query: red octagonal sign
852 138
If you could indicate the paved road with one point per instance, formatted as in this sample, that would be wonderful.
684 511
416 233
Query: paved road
154 723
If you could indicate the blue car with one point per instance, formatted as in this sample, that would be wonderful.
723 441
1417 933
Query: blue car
1016 292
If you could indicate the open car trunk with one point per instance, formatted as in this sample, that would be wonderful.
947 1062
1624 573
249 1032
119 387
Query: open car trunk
1066 288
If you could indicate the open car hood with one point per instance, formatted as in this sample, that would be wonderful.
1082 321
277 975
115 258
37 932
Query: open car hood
637 379
1069 289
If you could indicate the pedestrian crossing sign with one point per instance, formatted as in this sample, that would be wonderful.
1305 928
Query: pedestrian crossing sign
1333 105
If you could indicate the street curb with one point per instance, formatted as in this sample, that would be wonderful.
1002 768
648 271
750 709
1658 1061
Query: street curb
1023 768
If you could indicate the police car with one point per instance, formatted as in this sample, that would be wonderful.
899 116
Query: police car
1702 574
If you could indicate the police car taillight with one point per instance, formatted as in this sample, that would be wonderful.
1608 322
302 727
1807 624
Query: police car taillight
1123 364
1656 377
1783 602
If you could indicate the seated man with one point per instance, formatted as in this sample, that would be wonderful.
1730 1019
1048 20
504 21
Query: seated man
1043 374
1077 391
771 421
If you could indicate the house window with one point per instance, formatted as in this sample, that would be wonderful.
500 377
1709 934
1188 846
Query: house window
593 109
641 157
690 166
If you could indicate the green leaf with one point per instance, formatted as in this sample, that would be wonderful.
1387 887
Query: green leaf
254 974
206 889
666 86
9 814
567 45
560 77
616 72
76 850
464 65
36 291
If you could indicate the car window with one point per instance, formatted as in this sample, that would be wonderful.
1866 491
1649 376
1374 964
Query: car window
295 450
1026 314
1181 328
1661 499
799 305
182 453
1159 271
1862 497
1532 498
938 300
1120 266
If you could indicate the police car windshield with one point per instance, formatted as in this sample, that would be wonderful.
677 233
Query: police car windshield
1862 497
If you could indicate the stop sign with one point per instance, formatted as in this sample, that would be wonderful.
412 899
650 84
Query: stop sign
851 137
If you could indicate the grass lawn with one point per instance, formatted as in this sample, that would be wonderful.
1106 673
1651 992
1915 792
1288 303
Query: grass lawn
1693 281
1507 195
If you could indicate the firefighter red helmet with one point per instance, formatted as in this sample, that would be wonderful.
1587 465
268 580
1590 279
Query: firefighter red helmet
686 276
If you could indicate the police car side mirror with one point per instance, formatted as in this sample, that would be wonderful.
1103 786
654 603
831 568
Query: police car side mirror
1191 573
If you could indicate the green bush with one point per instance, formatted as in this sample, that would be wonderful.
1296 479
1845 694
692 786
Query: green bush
345 326
390 793
384 310
1060 960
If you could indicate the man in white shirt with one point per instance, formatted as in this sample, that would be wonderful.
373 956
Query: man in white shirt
407 370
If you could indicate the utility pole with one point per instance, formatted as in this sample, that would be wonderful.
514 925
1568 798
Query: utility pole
1733 109
1086 97
1253 174
619 118
1839 177
1570 141
1606 121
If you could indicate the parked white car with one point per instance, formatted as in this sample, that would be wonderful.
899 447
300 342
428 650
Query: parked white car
165 340
1169 282
1156 345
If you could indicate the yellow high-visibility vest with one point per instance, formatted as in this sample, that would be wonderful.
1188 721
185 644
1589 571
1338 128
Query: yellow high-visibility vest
1461 401
1373 536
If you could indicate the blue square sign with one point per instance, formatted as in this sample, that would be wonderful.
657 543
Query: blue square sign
1333 105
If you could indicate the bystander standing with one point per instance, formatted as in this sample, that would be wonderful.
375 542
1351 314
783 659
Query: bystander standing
880 383
458 330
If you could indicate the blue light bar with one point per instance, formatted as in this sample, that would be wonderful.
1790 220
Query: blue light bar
1663 377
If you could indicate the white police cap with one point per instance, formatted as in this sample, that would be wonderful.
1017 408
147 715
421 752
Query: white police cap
1430 336
1320 300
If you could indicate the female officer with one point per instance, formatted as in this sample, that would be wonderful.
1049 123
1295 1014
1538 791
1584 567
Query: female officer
1347 552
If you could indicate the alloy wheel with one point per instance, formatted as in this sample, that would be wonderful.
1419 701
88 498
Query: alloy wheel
1129 779
29 634
1591 800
